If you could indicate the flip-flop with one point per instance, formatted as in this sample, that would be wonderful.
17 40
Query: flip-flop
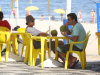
75 63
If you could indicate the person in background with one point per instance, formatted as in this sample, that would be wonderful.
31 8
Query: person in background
53 18
80 16
4 23
14 12
93 15
61 17
41 17
28 13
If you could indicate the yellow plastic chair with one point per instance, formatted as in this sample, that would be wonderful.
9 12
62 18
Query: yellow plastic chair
27 38
4 29
81 54
25 42
37 52
21 30
5 39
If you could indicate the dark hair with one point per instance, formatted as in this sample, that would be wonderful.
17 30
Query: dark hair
29 18
72 16
1 15
15 28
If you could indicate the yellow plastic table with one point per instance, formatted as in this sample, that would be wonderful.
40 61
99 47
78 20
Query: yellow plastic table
43 44
15 45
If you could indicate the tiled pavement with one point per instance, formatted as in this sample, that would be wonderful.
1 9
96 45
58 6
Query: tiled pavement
17 67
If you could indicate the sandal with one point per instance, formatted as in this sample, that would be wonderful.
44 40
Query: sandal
75 63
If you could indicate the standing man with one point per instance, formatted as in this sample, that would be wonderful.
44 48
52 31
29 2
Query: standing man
78 34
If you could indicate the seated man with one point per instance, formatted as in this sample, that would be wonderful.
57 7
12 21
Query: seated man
4 23
30 21
78 34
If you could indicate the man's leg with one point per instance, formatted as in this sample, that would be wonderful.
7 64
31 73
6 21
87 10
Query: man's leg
3 51
62 49
71 59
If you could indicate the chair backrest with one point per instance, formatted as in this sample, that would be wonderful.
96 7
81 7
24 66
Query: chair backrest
4 36
26 38
4 29
23 35
21 30
86 40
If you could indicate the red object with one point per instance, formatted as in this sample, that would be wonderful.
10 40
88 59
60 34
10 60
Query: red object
5 24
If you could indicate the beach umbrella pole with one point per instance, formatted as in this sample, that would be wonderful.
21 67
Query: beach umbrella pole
68 7
17 12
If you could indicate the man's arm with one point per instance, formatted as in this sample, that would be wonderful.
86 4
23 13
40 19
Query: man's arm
44 34
73 38
67 30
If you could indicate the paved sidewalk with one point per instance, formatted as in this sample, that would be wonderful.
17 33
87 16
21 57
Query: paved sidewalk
15 66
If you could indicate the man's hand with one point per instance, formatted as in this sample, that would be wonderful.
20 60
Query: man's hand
66 24
63 33
44 34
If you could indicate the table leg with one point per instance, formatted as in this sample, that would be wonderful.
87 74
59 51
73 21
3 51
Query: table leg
14 44
30 53
42 51
56 45
99 45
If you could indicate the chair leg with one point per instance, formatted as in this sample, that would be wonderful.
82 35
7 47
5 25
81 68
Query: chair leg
22 51
7 51
85 64
34 57
48 52
81 61
47 48
0 51
26 52
40 56
66 61
45 54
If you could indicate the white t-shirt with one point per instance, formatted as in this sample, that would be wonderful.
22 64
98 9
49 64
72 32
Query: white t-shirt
33 31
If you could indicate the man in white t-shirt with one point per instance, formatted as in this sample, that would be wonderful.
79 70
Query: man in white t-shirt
33 31
30 22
